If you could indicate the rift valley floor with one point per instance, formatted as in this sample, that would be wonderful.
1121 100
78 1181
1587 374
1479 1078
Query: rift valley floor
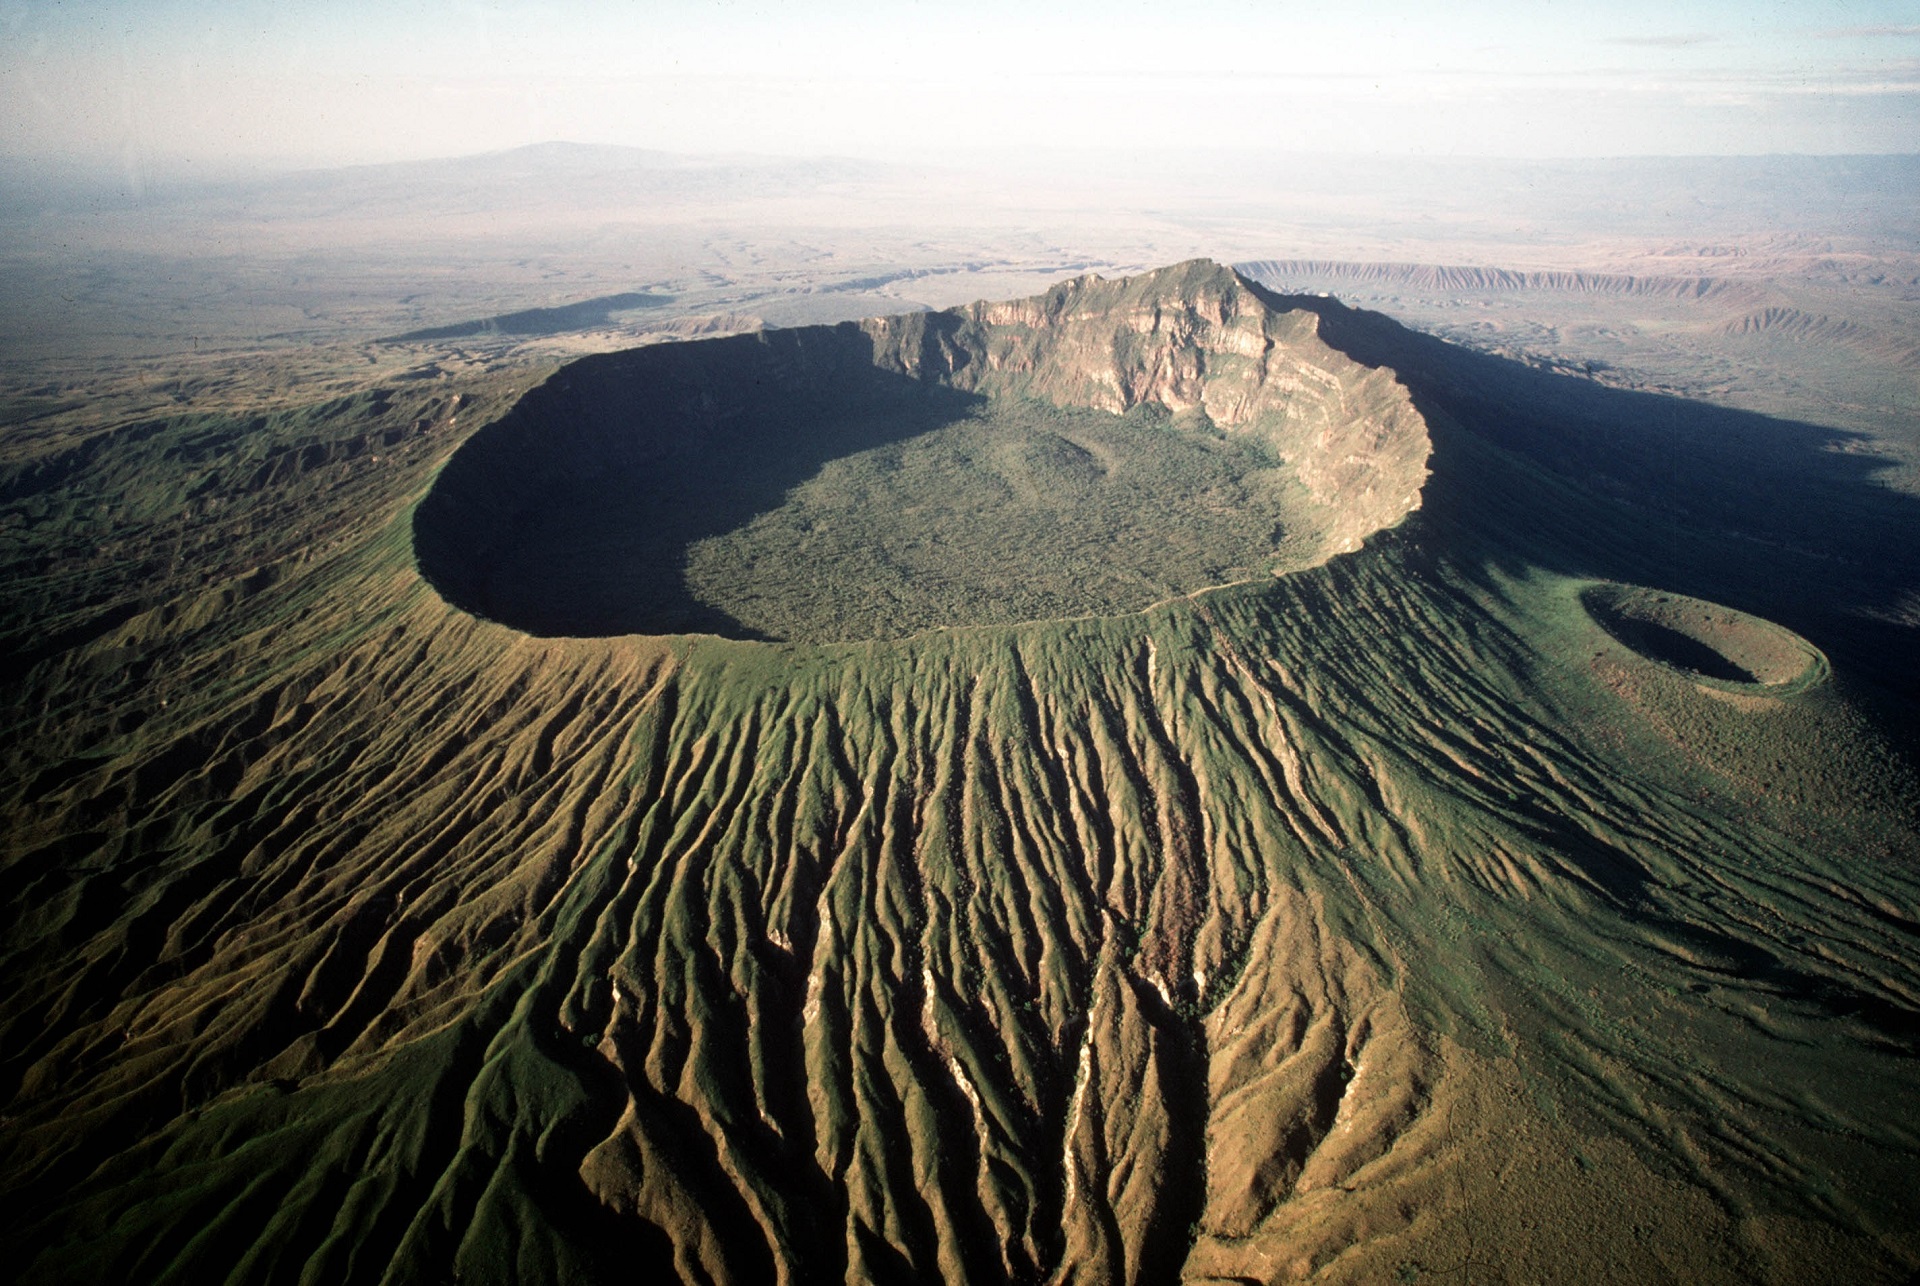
1176 777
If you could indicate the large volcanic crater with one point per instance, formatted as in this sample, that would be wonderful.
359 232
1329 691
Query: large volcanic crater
1091 451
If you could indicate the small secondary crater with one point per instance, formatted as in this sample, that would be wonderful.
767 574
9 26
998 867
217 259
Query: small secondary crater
1705 640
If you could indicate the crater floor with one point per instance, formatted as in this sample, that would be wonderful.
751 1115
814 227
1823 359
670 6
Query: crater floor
1087 453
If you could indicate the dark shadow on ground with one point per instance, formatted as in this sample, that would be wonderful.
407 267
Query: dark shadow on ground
540 321
1779 518
573 514
1671 647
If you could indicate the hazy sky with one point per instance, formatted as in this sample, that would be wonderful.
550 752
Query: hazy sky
339 81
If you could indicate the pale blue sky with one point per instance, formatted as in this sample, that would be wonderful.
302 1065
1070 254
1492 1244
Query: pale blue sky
308 83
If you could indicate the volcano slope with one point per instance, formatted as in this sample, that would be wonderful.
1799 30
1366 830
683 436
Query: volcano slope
480 838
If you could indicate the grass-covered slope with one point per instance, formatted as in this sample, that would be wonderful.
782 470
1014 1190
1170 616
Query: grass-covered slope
1403 918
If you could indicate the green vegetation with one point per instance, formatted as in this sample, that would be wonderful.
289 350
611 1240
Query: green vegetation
1391 915
985 466
1018 511
1715 644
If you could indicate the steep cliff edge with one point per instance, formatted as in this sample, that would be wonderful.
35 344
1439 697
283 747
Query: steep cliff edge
1087 452
1192 338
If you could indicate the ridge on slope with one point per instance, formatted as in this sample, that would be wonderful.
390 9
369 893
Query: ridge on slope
1089 451
1466 278
1388 920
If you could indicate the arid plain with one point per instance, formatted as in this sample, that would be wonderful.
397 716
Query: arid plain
1351 722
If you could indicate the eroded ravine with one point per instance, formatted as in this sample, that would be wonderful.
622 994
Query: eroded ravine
1316 924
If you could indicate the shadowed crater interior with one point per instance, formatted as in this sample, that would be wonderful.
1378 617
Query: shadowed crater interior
1089 452
1704 639
575 513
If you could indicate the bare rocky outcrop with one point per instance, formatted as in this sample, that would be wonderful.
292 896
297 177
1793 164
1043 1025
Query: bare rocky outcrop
582 511
1194 338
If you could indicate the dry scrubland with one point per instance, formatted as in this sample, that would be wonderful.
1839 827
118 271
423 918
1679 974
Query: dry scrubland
1521 887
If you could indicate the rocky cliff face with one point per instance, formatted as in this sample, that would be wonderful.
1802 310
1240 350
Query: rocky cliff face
796 484
1197 340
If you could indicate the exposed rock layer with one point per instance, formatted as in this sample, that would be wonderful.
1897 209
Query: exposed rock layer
575 513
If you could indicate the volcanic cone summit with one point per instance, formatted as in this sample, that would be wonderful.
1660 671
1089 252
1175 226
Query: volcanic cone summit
1089 451
1527 895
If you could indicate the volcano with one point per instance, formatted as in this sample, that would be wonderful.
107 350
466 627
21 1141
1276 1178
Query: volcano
1162 780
